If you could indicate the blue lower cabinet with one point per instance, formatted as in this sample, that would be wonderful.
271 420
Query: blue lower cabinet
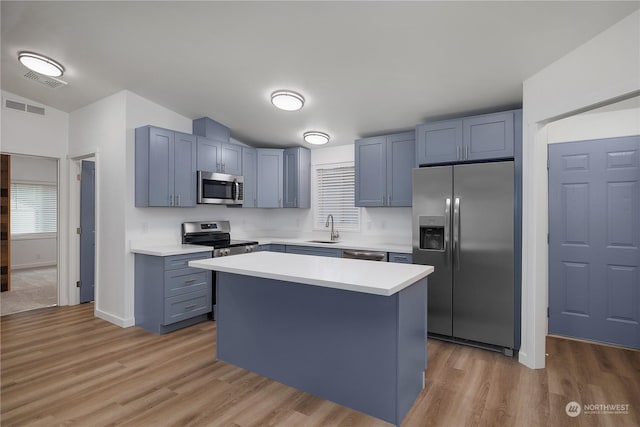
312 250
400 258
272 248
170 295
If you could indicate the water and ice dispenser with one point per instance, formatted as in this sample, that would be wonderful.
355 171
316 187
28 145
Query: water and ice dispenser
432 233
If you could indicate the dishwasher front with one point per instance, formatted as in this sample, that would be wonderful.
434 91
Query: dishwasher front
367 255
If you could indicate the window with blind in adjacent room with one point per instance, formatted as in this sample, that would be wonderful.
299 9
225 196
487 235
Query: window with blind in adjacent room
33 208
335 192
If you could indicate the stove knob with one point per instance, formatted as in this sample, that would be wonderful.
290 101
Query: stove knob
227 251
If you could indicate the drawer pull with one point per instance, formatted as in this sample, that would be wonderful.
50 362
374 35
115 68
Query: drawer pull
400 257
189 282
190 306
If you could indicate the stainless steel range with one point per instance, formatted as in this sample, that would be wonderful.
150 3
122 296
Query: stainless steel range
216 234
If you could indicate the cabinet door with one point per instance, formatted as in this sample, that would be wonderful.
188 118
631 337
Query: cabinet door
270 170
231 159
161 167
401 149
371 171
489 136
290 179
209 155
439 142
249 169
184 170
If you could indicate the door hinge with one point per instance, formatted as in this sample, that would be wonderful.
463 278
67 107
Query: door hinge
78 284
78 230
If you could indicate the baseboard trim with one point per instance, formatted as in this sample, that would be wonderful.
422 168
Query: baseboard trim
116 320
33 265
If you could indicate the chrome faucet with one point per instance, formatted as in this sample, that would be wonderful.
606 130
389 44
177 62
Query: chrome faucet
334 233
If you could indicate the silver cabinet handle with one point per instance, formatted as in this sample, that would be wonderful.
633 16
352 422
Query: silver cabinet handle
466 152
223 167
170 199
218 167
400 257
279 203
178 202
190 282
459 152
190 306
456 232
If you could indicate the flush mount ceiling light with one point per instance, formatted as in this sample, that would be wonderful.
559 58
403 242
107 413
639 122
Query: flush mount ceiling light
287 100
316 138
41 64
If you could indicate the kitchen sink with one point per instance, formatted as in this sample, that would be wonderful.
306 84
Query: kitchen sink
322 241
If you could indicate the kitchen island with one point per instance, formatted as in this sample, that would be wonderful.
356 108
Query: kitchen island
349 331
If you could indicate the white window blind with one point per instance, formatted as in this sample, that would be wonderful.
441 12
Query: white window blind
335 195
33 208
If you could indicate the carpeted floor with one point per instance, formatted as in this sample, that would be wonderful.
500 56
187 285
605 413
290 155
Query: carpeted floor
30 289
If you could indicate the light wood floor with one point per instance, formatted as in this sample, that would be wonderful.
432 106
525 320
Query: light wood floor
62 366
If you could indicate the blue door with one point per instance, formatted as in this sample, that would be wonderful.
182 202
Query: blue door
594 240
87 230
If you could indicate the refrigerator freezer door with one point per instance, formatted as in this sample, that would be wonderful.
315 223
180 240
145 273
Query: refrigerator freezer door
432 187
483 274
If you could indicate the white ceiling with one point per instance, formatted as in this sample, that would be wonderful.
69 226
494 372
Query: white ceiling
365 68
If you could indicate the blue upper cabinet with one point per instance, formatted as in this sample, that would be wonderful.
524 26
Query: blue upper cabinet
165 167
489 136
371 171
250 166
215 153
383 170
401 160
270 177
297 178
439 142
184 160
220 157
209 155
476 138
231 159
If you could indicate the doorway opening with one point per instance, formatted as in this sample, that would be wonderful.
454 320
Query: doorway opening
30 234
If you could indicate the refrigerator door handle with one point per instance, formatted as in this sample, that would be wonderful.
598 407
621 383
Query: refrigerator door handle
456 233
447 225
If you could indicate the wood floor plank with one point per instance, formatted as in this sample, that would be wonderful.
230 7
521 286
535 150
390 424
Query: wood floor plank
62 366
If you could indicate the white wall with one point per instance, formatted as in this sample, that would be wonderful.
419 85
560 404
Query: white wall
46 136
615 120
34 250
100 128
600 71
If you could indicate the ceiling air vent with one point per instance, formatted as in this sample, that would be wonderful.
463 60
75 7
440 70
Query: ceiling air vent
51 82
21 106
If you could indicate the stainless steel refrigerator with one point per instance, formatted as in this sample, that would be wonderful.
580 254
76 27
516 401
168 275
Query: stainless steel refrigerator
463 225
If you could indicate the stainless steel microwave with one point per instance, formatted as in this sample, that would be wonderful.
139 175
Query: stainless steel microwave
220 189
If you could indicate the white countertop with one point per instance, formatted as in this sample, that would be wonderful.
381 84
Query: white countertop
167 249
379 278
347 243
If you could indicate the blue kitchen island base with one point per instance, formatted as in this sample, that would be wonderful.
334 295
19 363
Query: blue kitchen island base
360 350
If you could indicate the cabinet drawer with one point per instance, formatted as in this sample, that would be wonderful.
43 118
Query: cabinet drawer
184 280
186 306
400 258
182 261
